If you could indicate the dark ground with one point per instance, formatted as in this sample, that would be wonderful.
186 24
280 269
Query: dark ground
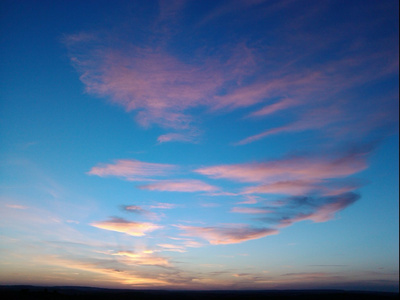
32 292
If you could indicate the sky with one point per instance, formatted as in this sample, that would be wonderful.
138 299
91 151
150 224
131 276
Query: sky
182 144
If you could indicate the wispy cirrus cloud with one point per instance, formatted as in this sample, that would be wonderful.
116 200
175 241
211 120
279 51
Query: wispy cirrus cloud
308 99
274 107
135 209
228 234
143 258
162 205
16 206
127 227
295 187
300 187
184 185
128 77
314 119
172 248
316 209
292 168
250 210
152 78
318 185
308 274
109 274
250 199
131 169
178 137
140 211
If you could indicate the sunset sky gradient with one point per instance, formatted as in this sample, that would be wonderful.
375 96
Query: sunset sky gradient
216 144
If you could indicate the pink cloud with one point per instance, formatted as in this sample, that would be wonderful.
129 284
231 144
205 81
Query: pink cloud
321 212
250 199
272 108
296 187
314 119
288 169
327 211
301 187
227 235
143 258
131 169
173 248
192 244
308 275
141 211
163 89
134 208
159 85
127 227
16 206
176 137
186 185
161 205
250 210
108 273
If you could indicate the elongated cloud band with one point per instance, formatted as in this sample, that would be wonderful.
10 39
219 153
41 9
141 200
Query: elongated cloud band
316 209
299 187
227 235
296 168
180 186
249 210
140 211
131 169
143 258
127 227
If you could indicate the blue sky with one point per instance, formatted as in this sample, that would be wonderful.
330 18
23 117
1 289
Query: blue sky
200 144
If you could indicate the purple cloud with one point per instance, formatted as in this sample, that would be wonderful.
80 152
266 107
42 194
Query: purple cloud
227 235
186 185
132 169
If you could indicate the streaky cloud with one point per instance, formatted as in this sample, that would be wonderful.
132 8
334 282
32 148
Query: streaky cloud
111 274
315 119
250 210
171 247
162 205
134 209
143 258
274 107
250 199
186 185
316 209
127 227
305 168
131 169
189 137
299 187
227 235
140 211
16 206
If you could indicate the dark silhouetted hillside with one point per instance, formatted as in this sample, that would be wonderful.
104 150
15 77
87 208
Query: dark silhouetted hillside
50 293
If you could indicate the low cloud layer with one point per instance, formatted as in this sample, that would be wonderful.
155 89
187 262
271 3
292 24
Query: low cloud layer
143 258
